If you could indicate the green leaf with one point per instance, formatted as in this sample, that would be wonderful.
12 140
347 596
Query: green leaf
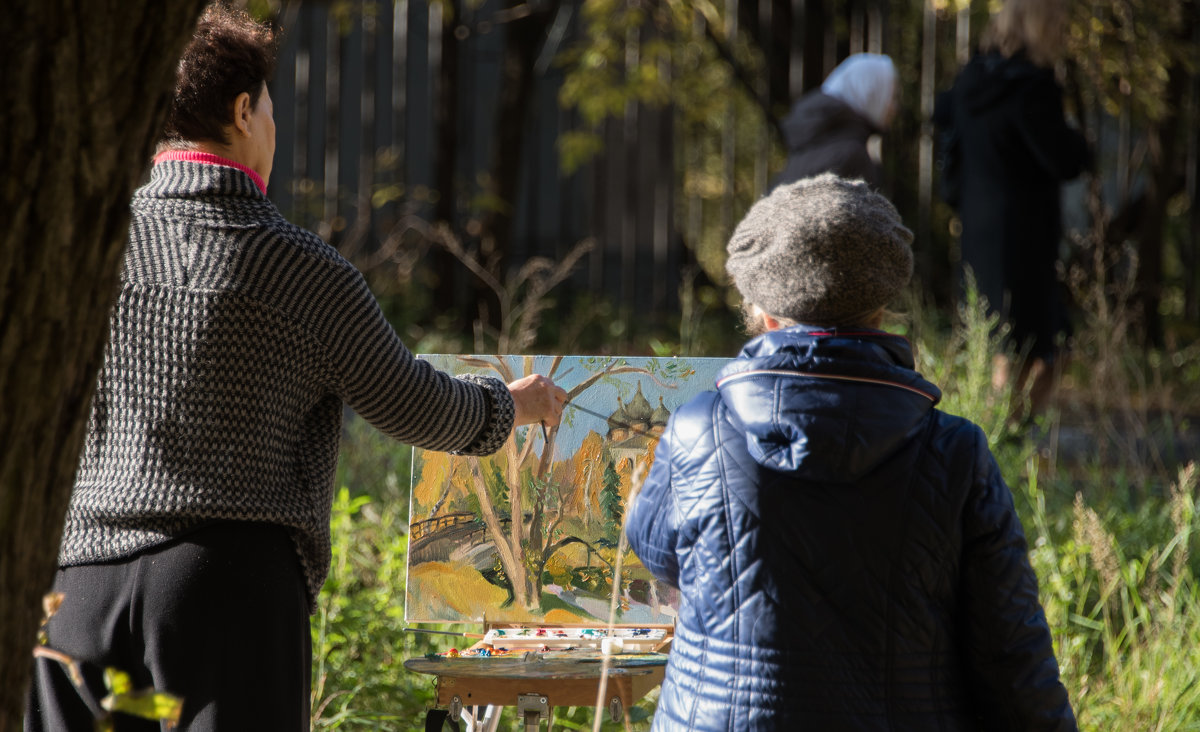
117 681
147 703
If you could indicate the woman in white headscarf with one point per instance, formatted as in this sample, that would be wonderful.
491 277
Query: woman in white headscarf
828 129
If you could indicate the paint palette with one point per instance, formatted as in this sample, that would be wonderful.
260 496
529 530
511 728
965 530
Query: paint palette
622 639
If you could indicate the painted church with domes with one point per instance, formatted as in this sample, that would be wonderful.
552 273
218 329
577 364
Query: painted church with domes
634 428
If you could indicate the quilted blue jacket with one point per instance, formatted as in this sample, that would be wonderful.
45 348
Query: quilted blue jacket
848 556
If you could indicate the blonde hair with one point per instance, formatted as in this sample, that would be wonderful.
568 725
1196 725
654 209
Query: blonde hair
1033 26
873 319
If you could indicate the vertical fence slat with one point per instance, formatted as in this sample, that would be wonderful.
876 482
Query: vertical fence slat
418 103
330 174
728 141
962 34
858 27
762 156
283 96
875 27
796 54
316 20
1190 246
666 264
399 103
354 82
925 159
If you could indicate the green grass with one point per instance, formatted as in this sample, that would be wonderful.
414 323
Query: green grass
1112 538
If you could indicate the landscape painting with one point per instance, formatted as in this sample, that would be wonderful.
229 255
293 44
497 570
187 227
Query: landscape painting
532 533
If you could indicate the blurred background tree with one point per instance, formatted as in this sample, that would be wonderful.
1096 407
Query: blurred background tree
649 128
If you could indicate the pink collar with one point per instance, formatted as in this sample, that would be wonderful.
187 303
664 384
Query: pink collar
195 156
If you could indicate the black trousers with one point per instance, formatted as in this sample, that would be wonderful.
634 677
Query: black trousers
218 617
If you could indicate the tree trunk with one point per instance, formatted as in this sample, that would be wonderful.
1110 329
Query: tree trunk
86 88
511 557
1164 178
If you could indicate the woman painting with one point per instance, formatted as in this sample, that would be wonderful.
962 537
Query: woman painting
197 536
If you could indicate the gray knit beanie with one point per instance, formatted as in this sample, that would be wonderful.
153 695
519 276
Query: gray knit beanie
821 251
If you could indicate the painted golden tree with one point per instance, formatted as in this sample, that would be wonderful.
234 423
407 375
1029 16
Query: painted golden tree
539 495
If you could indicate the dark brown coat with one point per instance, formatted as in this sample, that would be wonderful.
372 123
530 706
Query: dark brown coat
824 134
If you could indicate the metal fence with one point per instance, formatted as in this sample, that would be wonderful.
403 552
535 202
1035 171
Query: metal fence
361 144
358 143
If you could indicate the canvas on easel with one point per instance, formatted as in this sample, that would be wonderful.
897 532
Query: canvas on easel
530 535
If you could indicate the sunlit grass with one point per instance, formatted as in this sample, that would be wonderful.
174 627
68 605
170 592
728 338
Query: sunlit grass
1111 538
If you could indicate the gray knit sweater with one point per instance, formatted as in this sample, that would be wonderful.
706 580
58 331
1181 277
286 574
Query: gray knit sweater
235 340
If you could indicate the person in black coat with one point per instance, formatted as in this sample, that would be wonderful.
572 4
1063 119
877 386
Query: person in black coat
1010 150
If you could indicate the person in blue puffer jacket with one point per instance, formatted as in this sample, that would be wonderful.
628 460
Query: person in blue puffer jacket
848 556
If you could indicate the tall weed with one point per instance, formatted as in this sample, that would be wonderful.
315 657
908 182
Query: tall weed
1125 610
1113 550
359 641
1114 558
359 638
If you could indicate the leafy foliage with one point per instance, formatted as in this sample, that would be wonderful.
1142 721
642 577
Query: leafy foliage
1115 557
661 54
1116 561
359 642
1125 50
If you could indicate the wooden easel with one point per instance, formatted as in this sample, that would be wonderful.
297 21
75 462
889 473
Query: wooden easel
534 683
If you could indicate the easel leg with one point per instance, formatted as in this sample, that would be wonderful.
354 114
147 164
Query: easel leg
533 722
488 722
491 718
532 708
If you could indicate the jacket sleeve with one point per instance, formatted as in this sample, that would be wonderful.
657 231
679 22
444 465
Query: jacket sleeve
1009 655
652 524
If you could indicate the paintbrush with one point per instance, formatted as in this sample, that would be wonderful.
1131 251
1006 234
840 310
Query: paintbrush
444 632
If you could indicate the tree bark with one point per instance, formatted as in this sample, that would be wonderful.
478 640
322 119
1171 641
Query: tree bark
85 91
1165 178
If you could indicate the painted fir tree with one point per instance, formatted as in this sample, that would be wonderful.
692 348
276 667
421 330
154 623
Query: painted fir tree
610 501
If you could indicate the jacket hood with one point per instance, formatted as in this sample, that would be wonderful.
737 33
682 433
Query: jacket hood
817 119
991 77
826 404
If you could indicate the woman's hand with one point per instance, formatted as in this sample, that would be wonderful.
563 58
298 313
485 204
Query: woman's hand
537 399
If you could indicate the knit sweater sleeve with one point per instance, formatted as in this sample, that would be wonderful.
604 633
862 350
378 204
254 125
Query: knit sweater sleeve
376 375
